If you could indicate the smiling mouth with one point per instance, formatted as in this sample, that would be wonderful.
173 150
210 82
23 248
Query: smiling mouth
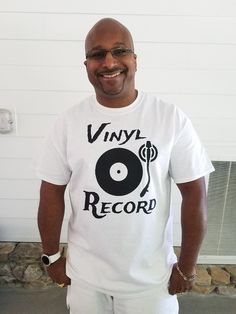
111 75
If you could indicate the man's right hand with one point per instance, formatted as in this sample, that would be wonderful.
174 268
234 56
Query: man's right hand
57 272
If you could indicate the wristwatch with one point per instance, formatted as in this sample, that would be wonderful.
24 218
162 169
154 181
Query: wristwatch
49 259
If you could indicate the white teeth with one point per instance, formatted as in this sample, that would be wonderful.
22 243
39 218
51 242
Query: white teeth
111 75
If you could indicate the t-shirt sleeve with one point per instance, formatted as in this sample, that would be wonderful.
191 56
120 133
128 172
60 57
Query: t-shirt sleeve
189 160
52 165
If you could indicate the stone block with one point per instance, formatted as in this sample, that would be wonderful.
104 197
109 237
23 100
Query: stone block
26 251
203 289
42 282
5 250
232 271
18 272
203 277
5 270
47 280
227 290
32 273
6 281
219 276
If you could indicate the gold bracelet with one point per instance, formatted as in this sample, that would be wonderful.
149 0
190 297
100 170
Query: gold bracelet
186 278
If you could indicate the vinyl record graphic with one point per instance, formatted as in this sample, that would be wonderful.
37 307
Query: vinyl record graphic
118 171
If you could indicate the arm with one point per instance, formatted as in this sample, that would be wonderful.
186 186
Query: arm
193 222
50 218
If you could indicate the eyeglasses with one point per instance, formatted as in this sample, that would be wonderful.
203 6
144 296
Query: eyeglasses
101 53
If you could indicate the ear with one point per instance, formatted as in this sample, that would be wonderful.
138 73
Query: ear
85 63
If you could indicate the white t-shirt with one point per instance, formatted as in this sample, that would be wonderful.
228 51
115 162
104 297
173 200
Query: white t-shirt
119 164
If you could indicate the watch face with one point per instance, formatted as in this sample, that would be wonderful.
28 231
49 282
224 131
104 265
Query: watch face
45 260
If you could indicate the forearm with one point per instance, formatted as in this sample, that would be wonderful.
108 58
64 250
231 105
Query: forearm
193 230
50 216
194 224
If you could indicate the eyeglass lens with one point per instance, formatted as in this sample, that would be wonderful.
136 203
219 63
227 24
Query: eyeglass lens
101 53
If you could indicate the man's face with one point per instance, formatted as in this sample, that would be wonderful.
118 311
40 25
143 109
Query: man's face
111 73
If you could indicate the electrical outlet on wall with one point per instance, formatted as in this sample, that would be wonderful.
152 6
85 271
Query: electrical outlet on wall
7 121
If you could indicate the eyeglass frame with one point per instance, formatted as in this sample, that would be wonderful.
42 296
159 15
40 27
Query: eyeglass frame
126 51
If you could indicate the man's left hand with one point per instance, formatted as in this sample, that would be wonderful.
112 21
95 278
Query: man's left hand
177 284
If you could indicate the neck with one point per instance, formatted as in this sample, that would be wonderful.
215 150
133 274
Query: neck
117 102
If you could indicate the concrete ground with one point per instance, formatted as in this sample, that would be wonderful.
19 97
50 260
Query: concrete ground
52 300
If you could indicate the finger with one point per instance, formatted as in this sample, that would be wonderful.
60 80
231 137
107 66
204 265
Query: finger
185 287
173 289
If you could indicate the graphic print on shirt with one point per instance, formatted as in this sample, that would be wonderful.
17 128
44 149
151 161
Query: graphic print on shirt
119 172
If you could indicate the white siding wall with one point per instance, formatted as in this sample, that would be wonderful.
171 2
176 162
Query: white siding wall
186 53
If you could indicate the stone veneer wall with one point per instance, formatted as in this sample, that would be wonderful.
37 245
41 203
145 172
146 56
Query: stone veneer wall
20 266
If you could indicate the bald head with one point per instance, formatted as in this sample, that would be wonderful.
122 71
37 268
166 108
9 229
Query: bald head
105 29
112 75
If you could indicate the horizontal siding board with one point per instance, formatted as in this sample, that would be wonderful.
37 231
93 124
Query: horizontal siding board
52 103
24 209
160 55
48 78
202 82
16 168
215 131
25 230
161 7
205 106
19 189
61 53
186 56
157 28
221 151
39 102
75 79
17 147
34 125
12 208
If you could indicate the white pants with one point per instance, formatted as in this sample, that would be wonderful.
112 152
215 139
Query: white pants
83 300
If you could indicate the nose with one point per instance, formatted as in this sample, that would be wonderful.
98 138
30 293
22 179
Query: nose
109 61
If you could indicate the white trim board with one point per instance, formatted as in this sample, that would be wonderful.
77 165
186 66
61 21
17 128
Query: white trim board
216 259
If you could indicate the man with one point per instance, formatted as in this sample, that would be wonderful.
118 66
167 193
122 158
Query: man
118 151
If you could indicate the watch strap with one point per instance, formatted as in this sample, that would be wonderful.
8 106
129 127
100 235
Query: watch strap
49 259
53 258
